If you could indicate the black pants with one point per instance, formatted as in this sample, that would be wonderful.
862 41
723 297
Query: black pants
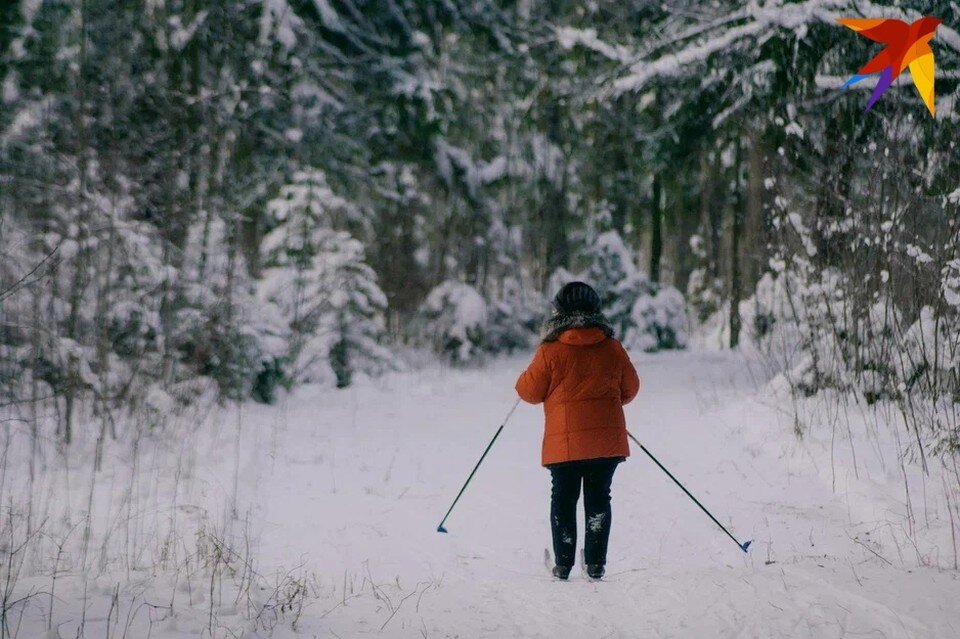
595 475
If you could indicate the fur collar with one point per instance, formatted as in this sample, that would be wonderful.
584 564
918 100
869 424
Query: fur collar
561 322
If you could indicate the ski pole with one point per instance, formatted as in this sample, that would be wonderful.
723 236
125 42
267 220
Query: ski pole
742 546
440 528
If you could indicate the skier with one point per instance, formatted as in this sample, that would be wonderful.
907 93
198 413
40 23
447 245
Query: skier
584 377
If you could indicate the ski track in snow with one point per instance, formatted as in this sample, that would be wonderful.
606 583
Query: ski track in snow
352 484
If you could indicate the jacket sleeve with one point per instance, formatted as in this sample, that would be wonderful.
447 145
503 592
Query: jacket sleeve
629 380
533 384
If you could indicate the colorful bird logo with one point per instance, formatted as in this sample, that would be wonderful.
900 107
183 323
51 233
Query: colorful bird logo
908 45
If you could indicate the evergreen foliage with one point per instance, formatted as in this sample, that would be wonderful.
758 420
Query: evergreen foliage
244 195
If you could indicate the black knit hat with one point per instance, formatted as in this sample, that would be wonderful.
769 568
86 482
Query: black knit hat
577 296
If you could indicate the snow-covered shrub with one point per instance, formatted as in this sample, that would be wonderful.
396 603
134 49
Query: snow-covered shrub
705 293
233 360
827 340
453 321
928 357
269 378
514 320
769 303
106 341
611 271
871 358
803 322
658 321
950 283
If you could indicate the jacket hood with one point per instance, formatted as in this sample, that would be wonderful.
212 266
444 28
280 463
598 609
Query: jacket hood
582 336
562 323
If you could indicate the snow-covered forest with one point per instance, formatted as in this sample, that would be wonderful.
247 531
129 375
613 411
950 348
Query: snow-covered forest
275 264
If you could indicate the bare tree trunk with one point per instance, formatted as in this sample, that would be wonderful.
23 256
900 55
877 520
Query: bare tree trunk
622 202
715 213
753 229
736 232
77 286
656 230
34 400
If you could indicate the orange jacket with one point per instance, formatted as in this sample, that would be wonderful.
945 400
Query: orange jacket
584 379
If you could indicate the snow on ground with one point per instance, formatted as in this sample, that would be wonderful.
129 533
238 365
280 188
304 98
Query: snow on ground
344 491
360 480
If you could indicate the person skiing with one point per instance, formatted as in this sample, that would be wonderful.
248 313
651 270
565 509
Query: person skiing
584 377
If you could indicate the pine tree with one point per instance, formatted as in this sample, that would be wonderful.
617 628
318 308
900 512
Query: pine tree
453 322
355 314
326 311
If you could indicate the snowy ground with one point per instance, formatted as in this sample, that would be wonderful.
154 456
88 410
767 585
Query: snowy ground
356 490
344 490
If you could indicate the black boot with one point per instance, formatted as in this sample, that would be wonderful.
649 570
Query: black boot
561 572
595 571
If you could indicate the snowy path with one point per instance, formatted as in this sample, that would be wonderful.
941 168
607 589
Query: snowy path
351 485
